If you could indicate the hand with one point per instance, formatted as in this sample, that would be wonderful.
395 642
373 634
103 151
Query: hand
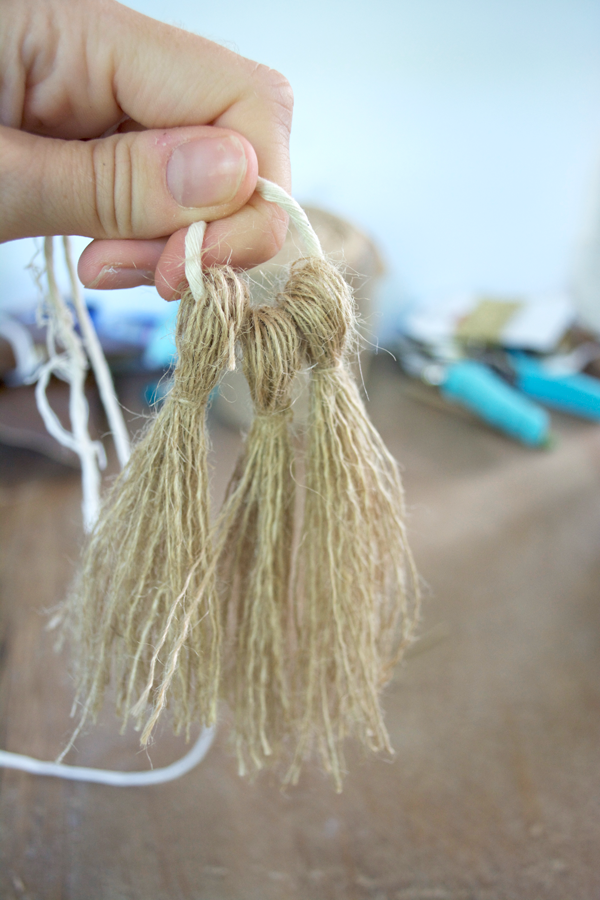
189 126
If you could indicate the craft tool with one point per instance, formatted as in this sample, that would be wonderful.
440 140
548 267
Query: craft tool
476 387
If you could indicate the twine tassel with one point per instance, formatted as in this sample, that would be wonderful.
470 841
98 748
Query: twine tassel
356 588
144 607
255 527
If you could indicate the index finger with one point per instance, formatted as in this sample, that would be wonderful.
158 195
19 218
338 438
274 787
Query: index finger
177 78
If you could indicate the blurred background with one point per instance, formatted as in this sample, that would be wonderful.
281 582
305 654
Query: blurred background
462 135
461 138
449 151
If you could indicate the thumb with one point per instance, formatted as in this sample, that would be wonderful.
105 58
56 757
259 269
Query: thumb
141 184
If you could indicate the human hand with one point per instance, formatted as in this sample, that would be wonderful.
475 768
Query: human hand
194 123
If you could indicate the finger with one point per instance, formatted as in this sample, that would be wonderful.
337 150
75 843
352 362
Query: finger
173 79
143 184
110 265
177 78
226 242
230 92
106 265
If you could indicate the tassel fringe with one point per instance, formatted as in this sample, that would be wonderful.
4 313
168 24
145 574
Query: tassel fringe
308 637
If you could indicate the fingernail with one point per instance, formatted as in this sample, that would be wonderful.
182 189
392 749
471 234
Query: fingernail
207 171
111 277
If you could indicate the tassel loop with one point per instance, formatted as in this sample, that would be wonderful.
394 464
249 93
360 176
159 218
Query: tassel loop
321 305
207 330
271 358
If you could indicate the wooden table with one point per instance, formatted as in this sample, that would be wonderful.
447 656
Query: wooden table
494 791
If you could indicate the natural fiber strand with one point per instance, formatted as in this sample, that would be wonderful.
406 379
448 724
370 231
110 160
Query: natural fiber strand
121 439
144 609
356 589
256 536
67 360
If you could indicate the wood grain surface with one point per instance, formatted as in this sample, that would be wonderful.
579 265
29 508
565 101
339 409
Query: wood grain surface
494 791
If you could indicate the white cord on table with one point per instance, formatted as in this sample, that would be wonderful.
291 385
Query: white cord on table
107 776
26 355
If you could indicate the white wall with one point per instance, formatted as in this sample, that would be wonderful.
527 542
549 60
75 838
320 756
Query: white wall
462 134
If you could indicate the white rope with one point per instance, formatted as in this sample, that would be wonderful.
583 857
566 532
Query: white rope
71 366
275 194
194 239
107 776
26 355
96 356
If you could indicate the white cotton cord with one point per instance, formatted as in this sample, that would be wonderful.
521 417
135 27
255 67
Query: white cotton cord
55 427
275 194
269 191
106 776
106 388
53 424
70 365
194 239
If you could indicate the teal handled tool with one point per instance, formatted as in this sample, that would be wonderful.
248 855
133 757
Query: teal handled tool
570 392
474 386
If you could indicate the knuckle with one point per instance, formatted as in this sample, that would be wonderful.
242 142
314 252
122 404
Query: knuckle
113 187
277 92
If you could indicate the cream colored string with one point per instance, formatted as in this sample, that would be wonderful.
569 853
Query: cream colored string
107 776
275 194
70 365
106 388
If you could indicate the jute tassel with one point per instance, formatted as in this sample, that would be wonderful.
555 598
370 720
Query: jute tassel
255 533
144 609
356 588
